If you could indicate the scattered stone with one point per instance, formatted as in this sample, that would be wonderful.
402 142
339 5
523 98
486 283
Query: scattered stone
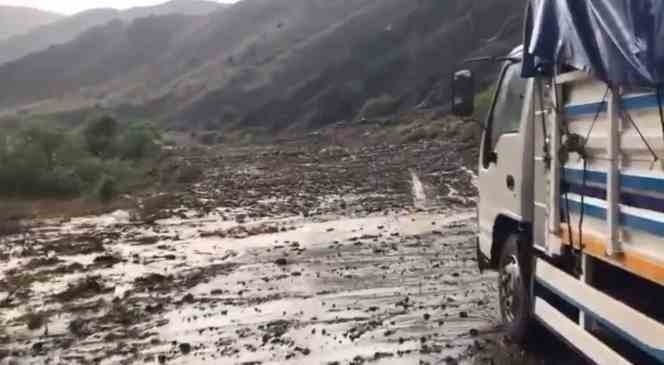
107 260
188 298
85 288
185 348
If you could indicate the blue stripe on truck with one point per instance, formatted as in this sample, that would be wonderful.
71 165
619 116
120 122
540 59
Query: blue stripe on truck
627 198
635 182
627 220
629 103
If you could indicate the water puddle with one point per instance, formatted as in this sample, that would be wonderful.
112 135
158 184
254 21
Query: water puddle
419 196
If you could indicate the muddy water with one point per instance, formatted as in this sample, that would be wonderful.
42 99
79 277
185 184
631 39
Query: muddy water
371 277
390 289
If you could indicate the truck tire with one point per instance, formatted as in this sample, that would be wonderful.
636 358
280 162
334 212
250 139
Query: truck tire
514 292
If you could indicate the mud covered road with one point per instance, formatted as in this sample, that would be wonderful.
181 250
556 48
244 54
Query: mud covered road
304 253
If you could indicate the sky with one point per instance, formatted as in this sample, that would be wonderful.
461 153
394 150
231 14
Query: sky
73 6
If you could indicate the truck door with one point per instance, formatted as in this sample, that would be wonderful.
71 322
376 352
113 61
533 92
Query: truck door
502 156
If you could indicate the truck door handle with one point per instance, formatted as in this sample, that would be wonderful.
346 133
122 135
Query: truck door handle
509 181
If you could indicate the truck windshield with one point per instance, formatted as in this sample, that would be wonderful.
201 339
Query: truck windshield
506 115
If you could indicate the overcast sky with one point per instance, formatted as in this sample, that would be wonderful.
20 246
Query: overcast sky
74 6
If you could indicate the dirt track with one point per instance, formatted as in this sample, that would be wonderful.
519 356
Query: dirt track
298 254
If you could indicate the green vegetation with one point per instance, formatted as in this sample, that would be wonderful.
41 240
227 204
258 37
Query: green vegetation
379 107
483 102
100 159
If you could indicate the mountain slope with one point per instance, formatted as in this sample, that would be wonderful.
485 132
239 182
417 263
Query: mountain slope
15 20
69 28
183 7
270 64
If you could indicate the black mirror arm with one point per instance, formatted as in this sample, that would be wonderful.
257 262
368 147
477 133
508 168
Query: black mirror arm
491 59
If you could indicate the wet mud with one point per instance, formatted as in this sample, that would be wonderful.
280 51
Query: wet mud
297 254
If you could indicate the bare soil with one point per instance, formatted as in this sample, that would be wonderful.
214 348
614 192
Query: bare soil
304 252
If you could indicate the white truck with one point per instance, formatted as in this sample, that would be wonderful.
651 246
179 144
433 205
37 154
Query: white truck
571 206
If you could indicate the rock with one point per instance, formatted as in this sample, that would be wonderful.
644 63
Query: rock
154 308
382 355
185 348
281 262
241 218
188 298
37 347
449 360
84 288
303 350
107 260
35 321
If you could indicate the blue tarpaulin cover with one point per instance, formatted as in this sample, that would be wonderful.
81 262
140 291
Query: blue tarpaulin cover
619 41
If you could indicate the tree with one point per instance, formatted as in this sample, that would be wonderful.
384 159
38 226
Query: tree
101 135
45 139
139 141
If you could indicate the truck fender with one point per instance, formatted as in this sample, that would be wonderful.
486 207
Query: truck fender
502 228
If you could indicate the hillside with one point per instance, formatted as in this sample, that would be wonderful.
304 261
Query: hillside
269 64
68 28
183 7
15 20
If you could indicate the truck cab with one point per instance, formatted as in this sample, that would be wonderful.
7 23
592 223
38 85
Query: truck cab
503 166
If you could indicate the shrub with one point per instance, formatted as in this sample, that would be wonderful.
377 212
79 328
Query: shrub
106 188
23 167
47 140
380 106
139 141
100 136
208 138
89 169
41 161
61 181
125 172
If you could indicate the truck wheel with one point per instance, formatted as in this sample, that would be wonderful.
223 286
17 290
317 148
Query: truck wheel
514 294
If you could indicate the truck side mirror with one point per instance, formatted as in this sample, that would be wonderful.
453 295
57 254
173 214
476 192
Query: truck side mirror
463 93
